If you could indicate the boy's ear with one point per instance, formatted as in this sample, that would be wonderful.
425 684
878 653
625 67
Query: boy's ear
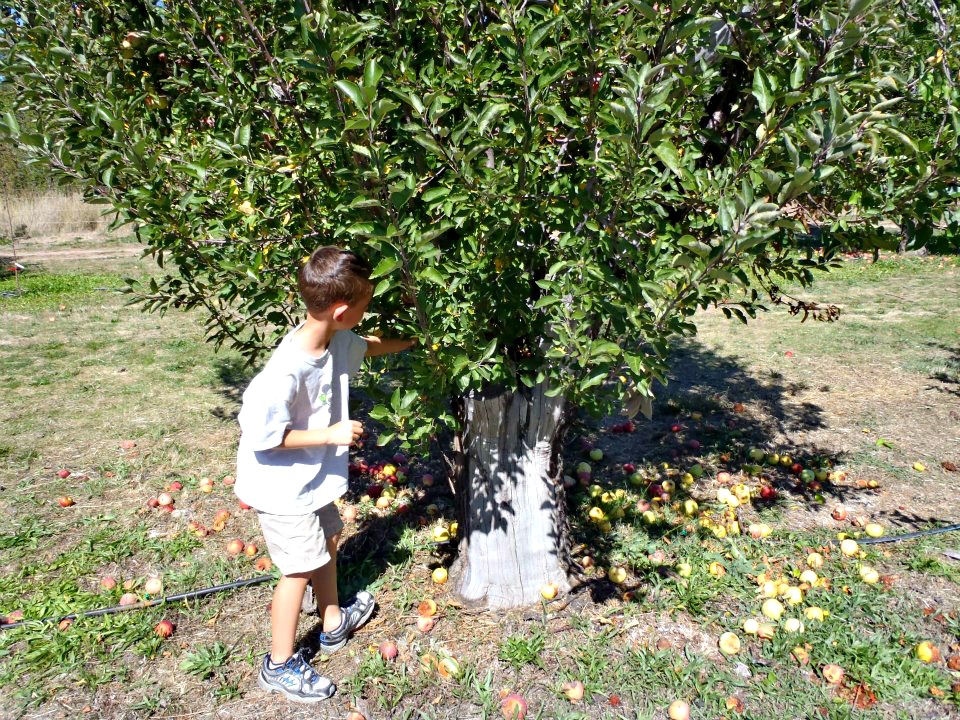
338 312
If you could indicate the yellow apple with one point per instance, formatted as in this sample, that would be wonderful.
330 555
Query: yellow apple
849 547
772 608
729 643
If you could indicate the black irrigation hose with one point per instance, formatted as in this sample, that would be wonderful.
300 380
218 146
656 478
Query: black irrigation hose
266 578
148 603
909 536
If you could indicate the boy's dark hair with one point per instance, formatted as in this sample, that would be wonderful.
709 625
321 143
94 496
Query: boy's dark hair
333 275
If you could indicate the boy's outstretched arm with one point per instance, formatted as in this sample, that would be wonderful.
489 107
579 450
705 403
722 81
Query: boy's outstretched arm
383 346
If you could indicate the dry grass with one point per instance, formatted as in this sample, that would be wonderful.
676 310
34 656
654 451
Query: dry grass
49 214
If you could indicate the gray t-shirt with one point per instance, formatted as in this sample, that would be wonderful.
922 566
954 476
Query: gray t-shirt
296 391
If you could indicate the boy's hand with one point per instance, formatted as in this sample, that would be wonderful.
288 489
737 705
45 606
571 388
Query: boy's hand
344 432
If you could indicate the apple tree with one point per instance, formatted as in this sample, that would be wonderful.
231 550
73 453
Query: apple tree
548 191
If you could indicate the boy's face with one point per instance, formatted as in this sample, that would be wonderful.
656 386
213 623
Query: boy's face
347 316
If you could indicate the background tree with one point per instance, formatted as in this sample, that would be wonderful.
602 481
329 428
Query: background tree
548 191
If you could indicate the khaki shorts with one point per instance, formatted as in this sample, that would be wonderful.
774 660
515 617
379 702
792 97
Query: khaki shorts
298 543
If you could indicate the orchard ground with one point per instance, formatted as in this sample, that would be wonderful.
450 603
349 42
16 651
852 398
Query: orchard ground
866 399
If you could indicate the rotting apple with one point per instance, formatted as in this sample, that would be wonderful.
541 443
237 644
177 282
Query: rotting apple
235 547
573 690
164 628
833 674
66 501
425 624
263 564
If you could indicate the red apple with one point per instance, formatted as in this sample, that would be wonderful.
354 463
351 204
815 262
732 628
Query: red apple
374 490
165 499
229 480
839 513
176 485
796 468
388 650
66 501
129 599
63 473
164 628
108 583
263 564
629 468
767 492
244 506
675 428
235 547
127 444
425 624
153 502
694 444
251 550
513 707
427 480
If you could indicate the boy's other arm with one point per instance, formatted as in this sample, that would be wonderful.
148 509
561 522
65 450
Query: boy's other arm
342 433
383 346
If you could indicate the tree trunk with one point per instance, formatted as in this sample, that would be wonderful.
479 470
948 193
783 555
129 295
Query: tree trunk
510 499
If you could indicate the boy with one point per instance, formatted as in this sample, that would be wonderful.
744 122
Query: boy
292 462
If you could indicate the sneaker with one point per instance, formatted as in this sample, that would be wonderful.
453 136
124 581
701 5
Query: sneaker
295 679
352 617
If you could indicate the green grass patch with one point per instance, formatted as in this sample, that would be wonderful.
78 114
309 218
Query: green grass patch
46 290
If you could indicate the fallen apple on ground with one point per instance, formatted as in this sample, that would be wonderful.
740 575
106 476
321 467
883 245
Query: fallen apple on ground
573 690
425 624
66 501
729 643
513 707
833 674
388 650
679 710
164 628
439 576
549 591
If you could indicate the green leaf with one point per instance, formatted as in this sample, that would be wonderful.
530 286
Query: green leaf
762 90
352 91
435 194
241 136
385 267
10 124
670 156
371 75
490 113
433 275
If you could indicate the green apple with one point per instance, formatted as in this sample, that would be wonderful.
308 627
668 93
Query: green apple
757 455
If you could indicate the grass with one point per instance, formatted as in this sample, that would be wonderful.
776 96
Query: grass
83 372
